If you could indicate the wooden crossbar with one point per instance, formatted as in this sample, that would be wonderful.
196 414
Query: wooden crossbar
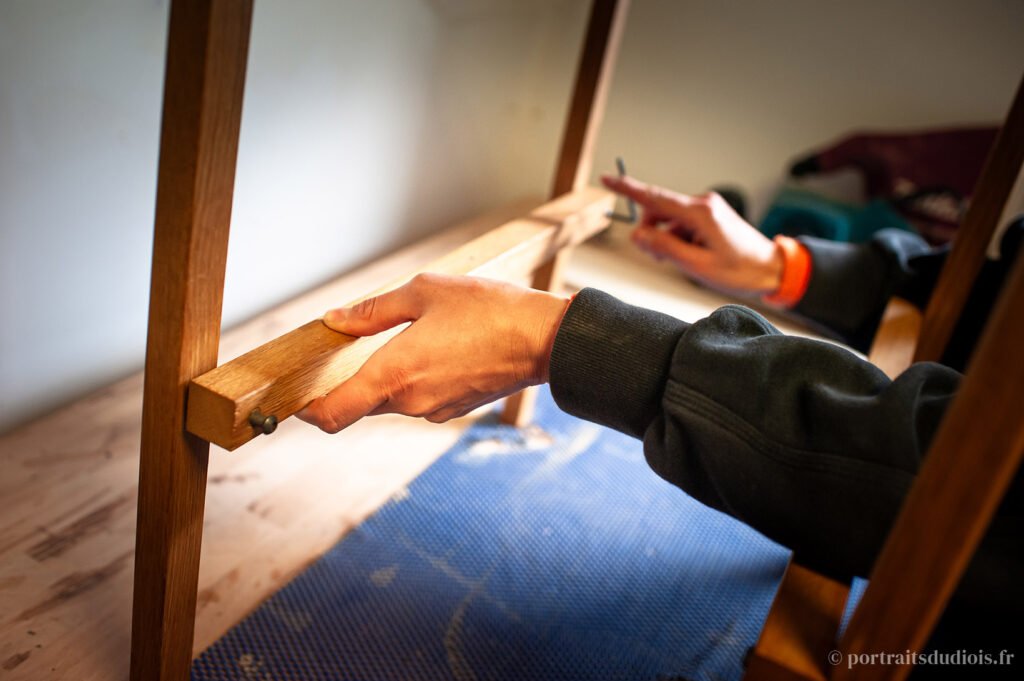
284 375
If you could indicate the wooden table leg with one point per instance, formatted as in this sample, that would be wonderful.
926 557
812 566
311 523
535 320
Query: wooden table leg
575 159
207 48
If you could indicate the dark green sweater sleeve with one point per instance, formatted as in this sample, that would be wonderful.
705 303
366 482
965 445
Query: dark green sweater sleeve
800 439
851 284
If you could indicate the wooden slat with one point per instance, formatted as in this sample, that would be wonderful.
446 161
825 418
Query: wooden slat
576 156
892 349
972 240
207 47
800 630
284 375
968 469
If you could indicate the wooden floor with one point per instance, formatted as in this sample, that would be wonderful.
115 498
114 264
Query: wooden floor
69 482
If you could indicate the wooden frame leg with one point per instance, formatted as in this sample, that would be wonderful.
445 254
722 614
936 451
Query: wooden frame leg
981 221
207 48
575 159
952 501
953 497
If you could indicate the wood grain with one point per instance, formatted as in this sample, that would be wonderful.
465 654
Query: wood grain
969 466
972 240
284 375
576 155
207 47
800 630
892 349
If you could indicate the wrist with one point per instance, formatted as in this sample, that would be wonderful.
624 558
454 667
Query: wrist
553 309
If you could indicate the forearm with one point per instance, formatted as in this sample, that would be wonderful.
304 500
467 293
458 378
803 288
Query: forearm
800 439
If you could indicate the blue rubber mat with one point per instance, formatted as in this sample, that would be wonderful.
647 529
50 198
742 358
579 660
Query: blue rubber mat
548 553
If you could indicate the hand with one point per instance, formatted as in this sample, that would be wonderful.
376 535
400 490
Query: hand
471 342
703 236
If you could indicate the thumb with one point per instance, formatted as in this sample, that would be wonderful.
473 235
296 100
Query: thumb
376 314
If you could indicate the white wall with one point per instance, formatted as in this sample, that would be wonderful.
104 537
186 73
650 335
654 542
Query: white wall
365 125
729 91
368 123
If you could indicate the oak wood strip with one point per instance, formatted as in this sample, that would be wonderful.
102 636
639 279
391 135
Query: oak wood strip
284 375
972 239
952 500
576 156
207 47
262 524
800 630
892 349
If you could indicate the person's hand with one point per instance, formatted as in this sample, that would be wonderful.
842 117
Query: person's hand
703 236
471 342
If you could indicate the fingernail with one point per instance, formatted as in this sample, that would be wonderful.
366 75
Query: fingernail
337 316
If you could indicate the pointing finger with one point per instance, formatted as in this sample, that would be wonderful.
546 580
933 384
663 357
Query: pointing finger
653 196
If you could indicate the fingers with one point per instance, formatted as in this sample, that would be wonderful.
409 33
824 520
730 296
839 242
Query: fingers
652 196
662 244
378 313
346 404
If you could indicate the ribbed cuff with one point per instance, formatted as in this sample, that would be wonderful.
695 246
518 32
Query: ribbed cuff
610 361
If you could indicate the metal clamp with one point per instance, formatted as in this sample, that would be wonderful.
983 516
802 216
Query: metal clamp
631 218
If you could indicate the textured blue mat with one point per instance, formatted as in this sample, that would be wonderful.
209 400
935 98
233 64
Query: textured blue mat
553 553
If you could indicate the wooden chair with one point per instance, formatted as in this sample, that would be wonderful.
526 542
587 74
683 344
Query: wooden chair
953 498
188 402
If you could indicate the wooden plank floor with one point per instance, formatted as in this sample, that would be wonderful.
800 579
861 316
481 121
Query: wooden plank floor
69 483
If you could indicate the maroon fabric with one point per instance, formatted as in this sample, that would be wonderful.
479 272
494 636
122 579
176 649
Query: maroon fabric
929 176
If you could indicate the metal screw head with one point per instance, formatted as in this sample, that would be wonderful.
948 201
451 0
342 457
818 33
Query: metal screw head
264 424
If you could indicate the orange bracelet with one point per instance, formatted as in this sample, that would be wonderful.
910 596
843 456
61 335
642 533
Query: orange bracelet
796 273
